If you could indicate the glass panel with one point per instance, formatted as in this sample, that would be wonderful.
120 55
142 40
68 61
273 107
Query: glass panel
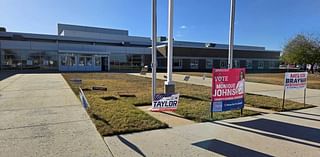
89 61
208 63
223 64
137 60
194 64
67 60
177 63
260 65
82 60
236 63
49 60
63 60
249 64
30 60
97 61
11 60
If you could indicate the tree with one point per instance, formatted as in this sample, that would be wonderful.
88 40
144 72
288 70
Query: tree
303 50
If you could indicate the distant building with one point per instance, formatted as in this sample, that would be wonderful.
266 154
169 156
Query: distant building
81 48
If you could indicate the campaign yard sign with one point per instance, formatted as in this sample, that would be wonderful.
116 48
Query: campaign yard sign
165 102
295 80
228 88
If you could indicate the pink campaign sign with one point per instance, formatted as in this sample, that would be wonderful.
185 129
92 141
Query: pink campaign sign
228 88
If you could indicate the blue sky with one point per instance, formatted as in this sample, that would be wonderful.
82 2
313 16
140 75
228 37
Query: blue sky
258 22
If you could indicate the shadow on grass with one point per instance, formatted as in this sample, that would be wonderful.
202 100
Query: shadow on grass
175 115
107 98
191 97
97 117
142 104
228 149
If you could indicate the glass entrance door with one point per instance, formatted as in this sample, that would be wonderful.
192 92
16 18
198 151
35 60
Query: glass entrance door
105 63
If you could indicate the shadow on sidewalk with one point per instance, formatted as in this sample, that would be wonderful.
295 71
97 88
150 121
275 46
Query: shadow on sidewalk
267 134
228 149
282 128
295 116
5 75
131 145
311 114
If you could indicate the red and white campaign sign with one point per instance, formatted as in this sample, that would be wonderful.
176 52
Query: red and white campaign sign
228 89
295 80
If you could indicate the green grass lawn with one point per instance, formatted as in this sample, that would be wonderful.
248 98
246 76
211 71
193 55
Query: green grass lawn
268 78
113 114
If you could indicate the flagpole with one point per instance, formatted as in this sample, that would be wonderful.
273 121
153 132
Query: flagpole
231 33
154 48
169 85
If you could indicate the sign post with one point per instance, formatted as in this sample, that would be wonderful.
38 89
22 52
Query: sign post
228 89
304 97
284 98
295 80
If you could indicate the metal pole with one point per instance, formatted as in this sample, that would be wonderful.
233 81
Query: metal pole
169 85
304 97
154 48
284 98
231 32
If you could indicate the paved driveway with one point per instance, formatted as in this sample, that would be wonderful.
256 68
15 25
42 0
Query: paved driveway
41 116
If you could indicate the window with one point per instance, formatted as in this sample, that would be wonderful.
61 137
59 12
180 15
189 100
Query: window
66 60
194 64
136 60
82 60
223 64
249 64
11 60
260 65
63 60
274 64
89 61
209 63
177 63
49 60
97 61
236 63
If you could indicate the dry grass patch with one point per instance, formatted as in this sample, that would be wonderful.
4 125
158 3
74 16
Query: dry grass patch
113 114
272 103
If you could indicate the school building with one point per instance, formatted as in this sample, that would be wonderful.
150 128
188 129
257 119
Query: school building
82 48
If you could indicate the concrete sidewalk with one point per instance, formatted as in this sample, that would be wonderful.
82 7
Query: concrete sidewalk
170 118
285 134
312 95
41 116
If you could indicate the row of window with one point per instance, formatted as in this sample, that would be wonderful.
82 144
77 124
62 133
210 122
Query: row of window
214 63
79 60
28 60
122 61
